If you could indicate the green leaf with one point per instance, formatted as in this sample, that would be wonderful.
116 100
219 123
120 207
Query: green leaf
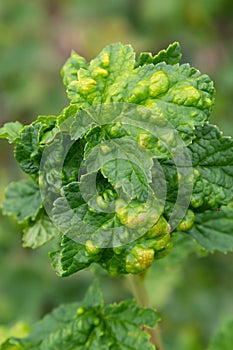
27 150
81 123
123 321
73 217
128 176
71 67
179 93
117 142
223 339
72 257
94 82
214 230
124 164
47 129
133 258
72 162
11 131
91 326
32 140
171 55
22 200
39 232
213 163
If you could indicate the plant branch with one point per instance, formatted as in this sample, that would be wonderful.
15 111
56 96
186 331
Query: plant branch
138 288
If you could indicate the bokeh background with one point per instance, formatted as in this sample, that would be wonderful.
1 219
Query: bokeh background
36 37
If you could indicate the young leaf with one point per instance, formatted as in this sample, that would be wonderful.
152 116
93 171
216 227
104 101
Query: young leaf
180 94
22 200
70 69
124 164
72 162
94 82
11 131
39 232
91 326
32 140
27 150
214 230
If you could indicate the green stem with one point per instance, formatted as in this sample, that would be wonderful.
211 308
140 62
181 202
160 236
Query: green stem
138 288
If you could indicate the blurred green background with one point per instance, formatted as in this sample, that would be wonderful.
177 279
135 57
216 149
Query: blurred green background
36 37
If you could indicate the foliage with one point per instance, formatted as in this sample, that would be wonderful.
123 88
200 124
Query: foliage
90 325
134 127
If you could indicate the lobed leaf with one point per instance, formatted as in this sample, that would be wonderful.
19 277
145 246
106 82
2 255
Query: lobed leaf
213 163
31 142
90 325
27 151
22 200
134 257
73 217
179 93
11 131
70 69
93 82
214 230
124 164
39 232
72 257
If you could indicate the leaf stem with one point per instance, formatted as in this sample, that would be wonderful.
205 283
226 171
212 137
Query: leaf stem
138 288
